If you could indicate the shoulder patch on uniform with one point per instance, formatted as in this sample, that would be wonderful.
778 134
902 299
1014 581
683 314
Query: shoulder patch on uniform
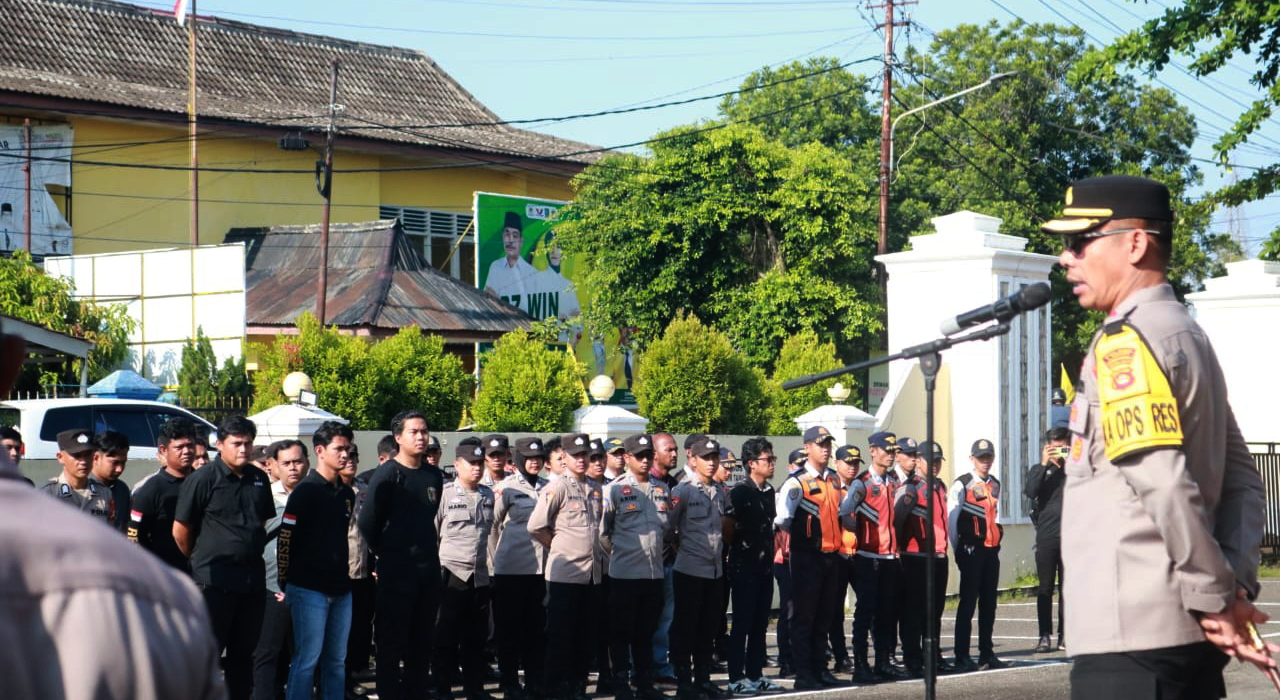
793 495
1139 411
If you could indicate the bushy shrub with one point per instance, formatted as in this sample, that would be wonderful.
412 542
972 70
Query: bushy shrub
527 386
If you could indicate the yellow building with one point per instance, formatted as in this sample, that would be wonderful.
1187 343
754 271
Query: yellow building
410 142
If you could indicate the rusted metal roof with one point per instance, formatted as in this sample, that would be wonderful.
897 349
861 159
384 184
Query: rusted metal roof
120 54
377 281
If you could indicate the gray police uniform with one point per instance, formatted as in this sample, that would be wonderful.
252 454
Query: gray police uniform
1162 507
697 521
633 529
463 523
95 499
569 510
515 552
519 618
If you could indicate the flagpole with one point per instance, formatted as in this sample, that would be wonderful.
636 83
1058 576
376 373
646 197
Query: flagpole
191 128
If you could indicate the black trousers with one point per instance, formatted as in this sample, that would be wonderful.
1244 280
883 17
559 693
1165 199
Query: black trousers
572 609
274 650
1048 570
237 623
979 575
913 596
782 574
463 623
600 636
633 611
405 621
693 629
519 621
875 581
752 593
1188 672
839 649
360 641
815 578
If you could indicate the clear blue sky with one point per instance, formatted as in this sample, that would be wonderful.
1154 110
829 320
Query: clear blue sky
545 58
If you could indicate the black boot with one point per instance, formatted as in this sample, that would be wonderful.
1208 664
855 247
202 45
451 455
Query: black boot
862 673
888 672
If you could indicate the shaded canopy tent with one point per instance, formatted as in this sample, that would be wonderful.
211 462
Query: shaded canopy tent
46 346
125 384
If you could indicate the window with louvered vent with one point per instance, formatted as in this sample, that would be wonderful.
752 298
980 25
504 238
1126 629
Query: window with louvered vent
447 242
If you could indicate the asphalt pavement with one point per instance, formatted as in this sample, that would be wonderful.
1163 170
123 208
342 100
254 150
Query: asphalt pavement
1029 676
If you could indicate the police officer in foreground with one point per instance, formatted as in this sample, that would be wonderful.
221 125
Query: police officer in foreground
566 521
464 521
1044 490
1170 506
974 512
632 530
73 485
519 617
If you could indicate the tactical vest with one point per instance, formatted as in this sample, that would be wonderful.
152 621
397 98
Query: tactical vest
978 511
875 516
816 524
916 528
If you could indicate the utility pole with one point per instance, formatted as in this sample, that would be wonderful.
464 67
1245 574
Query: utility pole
192 129
26 169
324 182
886 108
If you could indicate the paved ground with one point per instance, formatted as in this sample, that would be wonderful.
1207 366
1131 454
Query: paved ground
1030 676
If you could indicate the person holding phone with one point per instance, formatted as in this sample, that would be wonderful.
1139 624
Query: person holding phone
1044 489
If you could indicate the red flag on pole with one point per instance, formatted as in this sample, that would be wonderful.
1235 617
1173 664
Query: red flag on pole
180 11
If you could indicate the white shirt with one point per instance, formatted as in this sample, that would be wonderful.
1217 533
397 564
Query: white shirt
784 503
512 283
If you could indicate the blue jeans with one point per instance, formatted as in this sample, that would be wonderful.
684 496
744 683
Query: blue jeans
662 667
321 624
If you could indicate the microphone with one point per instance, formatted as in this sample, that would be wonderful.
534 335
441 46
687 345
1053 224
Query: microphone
1028 298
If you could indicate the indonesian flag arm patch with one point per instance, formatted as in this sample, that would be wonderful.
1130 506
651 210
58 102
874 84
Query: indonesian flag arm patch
1139 410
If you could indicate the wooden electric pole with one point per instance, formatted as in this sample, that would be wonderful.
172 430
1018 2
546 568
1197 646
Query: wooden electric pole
886 109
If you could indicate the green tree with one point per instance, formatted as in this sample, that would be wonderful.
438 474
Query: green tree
1011 149
802 354
362 382
29 294
692 380
527 387
758 239
201 383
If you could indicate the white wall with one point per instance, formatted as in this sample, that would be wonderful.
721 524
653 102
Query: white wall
168 293
1241 315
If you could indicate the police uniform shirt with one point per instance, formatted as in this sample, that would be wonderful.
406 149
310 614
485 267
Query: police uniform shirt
359 558
515 552
464 521
697 522
227 513
151 518
281 498
398 518
634 526
311 549
95 499
121 502
753 512
855 506
569 510
1164 510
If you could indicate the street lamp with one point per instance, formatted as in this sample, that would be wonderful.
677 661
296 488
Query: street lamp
887 168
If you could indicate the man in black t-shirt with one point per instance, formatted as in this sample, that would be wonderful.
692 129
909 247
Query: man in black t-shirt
312 560
155 501
397 519
1044 490
218 523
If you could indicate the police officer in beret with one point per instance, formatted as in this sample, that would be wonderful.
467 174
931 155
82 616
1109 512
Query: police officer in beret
566 521
632 530
974 510
72 485
1161 494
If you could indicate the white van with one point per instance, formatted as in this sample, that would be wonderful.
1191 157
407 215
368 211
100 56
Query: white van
40 421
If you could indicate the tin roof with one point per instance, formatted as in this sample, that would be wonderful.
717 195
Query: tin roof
131 56
377 280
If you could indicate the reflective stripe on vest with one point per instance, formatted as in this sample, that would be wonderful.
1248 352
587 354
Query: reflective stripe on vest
875 517
915 530
978 512
816 525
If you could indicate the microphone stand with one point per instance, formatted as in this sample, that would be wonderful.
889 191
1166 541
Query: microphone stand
930 356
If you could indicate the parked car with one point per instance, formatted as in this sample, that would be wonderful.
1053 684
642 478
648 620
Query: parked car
40 421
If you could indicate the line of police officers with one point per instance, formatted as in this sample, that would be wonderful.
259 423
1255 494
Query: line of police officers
567 574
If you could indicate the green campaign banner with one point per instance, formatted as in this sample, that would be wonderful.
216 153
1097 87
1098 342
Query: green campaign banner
518 260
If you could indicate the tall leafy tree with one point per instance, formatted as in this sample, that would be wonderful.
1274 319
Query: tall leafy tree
755 238
201 383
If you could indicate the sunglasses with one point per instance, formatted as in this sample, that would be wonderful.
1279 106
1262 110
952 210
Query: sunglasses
1077 244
